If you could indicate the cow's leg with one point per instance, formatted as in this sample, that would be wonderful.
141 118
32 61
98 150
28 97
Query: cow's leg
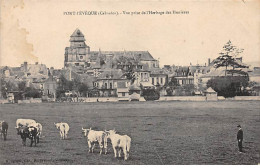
119 152
66 135
61 136
105 147
24 141
93 146
125 153
37 138
5 134
114 148
101 147
31 142
89 146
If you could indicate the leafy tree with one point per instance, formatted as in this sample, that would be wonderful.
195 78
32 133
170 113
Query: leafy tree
83 89
21 86
32 92
150 94
228 86
227 58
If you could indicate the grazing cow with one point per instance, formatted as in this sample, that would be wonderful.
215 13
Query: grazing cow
3 129
24 122
119 142
64 129
28 132
39 130
93 137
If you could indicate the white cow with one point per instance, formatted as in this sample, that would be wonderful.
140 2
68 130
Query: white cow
96 136
39 128
64 129
24 122
119 142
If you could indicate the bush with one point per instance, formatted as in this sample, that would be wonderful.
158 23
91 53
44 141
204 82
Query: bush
228 86
151 94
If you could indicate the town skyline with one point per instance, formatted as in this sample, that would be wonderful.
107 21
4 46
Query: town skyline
173 39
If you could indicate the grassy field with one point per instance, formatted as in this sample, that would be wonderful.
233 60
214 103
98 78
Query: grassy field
161 132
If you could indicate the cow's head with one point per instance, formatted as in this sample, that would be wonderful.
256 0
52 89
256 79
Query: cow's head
32 131
110 133
57 125
85 131
22 130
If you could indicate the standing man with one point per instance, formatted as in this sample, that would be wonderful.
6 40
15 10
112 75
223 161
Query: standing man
240 138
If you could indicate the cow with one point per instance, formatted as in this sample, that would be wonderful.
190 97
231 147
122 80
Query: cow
3 129
39 130
28 132
64 129
93 137
24 122
119 143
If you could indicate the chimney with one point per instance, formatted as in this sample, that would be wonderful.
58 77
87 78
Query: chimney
208 61
25 66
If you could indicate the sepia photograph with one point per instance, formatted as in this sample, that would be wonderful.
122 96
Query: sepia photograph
138 82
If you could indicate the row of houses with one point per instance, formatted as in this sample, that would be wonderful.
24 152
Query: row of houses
114 73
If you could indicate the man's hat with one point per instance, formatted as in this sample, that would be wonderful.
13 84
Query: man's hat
239 126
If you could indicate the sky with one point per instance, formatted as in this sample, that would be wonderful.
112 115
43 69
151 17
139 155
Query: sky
39 31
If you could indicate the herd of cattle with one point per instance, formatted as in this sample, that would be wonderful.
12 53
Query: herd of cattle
29 128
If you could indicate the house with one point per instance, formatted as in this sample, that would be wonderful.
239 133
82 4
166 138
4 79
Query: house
134 92
49 87
211 95
122 91
182 74
158 77
107 82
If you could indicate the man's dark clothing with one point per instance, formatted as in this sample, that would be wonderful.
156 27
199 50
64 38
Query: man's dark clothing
240 139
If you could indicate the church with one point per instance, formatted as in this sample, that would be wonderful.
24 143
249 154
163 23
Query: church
78 55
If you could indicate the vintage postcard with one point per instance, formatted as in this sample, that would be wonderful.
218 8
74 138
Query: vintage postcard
139 82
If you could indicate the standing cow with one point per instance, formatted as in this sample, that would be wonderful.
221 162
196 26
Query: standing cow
28 132
3 129
119 143
24 122
64 129
38 126
93 137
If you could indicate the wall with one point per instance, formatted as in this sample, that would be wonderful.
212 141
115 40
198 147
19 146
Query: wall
182 98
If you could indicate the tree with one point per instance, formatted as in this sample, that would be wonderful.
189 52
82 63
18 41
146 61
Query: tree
32 92
150 94
228 58
83 89
172 85
229 86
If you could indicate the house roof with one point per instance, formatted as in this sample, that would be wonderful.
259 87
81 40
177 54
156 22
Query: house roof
111 74
210 90
255 72
142 55
77 35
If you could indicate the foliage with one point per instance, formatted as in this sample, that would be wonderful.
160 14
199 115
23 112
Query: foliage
76 85
227 58
7 86
83 89
229 86
21 86
32 92
150 94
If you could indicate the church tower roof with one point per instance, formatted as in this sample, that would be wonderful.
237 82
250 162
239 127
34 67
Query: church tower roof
77 36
